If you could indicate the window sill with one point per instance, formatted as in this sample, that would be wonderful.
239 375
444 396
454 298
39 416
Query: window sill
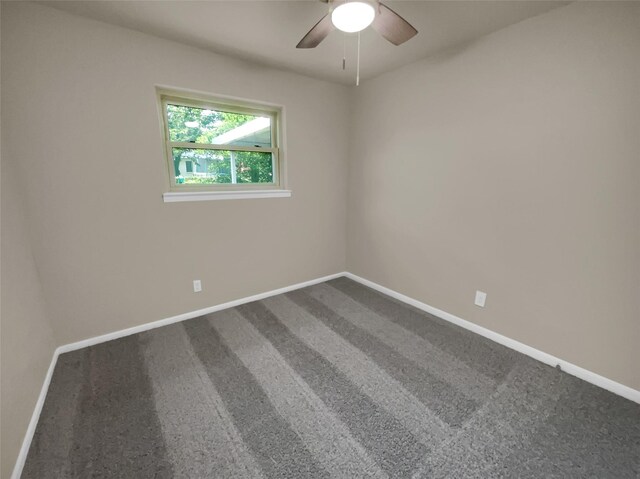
177 196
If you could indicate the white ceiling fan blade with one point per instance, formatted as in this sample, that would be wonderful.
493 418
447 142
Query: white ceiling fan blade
318 33
392 26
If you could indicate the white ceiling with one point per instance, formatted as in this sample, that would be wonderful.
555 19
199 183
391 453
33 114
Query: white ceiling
267 31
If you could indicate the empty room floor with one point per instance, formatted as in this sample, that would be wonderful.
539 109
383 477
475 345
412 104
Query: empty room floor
333 380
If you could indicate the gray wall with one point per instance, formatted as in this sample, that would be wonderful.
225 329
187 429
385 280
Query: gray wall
512 166
26 338
85 135
26 342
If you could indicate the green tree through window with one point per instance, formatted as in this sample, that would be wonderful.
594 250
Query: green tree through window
201 126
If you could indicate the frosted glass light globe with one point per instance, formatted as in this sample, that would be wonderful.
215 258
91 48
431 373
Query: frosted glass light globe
353 17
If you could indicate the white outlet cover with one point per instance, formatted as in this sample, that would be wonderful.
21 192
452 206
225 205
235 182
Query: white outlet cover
480 298
197 286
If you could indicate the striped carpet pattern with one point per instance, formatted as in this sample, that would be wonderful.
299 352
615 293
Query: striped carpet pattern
333 380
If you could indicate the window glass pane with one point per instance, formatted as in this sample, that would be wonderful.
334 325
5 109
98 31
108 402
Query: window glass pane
253 166
213 127
211 167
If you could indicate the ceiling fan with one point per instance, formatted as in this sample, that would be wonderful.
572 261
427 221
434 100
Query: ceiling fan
354 16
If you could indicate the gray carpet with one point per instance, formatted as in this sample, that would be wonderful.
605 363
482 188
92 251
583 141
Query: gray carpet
334 380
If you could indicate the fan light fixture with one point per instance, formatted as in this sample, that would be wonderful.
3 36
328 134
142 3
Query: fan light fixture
351 17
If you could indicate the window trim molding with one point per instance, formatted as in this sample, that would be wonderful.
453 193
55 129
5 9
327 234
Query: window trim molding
242 105
181 196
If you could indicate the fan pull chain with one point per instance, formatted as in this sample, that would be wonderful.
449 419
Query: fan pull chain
358 63
344 51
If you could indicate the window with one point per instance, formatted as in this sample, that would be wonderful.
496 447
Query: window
220 146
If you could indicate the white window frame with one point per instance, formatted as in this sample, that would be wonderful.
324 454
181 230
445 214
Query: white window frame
185 192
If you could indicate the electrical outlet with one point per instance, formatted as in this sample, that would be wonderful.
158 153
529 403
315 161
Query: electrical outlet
197 286
480 298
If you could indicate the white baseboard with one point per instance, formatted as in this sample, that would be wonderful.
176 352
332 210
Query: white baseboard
577 371
26 443
591 377
31 429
